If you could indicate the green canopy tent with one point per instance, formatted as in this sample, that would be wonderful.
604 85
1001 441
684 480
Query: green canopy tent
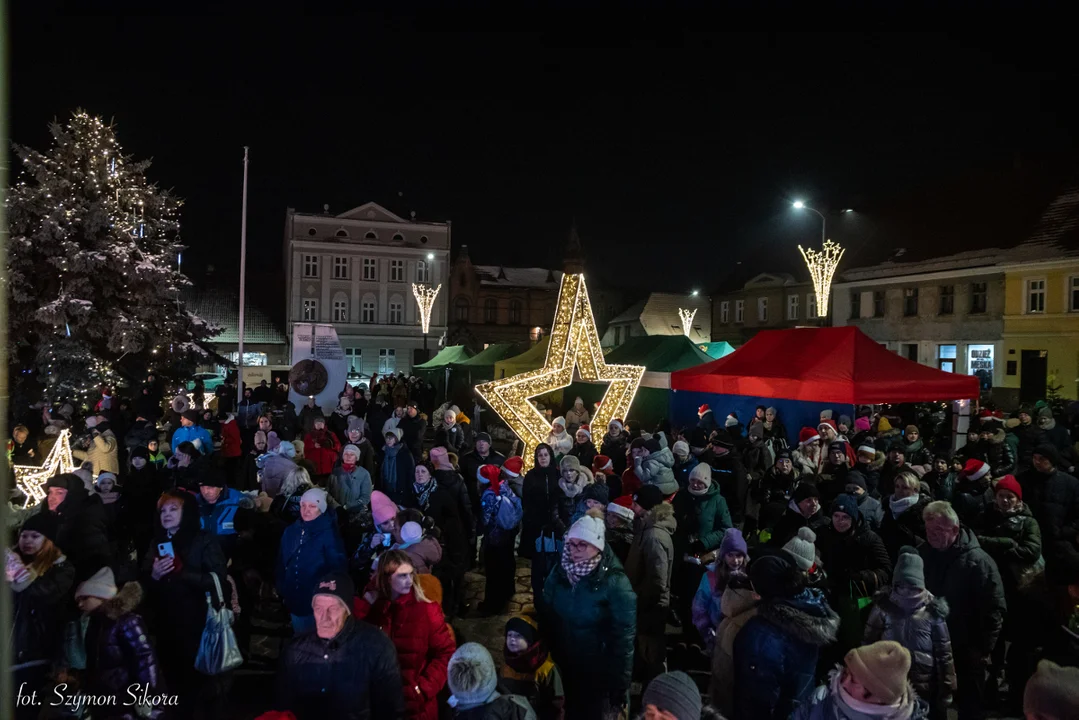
716 350
530 359
436 370
481 366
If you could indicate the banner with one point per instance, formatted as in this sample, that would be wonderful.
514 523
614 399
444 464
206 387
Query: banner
318 366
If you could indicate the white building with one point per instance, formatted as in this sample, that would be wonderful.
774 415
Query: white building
355 270
658 315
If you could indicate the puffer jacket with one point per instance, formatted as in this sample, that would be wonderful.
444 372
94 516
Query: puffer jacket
503 707
615 449
649 566
658 468
907 529
324 456
999 455
38 614
539 495
871 510
308 551
857 557
702 517
775 655
826 703
350 489
121 654
102 453
275 467
1054 500
1015 544
683 469
425 554
918 623
424 646
707 609
83 533
352 676
918 456
737 605
592 626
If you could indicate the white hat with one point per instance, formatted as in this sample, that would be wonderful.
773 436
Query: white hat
801 548
316 496
559 421
350 448
101 585
396 432
621 511
411 532
867 449
590 529
702 472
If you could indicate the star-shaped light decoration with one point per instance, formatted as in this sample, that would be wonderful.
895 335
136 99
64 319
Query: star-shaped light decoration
574 344
31 479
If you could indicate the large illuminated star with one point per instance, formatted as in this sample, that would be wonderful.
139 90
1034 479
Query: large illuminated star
31 479
574 344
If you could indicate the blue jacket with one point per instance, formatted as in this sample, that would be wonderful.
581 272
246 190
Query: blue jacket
493 534
309 550
191 434
775 655
219 518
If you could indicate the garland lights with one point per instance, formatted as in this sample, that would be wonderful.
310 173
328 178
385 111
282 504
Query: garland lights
31 479
425 298
822 265
574 344
686 316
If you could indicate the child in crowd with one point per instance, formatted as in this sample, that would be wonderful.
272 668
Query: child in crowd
529 670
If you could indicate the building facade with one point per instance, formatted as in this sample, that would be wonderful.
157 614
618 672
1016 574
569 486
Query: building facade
355 271
769 301
658 315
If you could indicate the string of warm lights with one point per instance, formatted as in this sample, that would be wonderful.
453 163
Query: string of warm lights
425 300
822 265
31 479
574 343
686 317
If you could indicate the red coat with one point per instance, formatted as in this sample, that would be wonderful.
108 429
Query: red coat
324 456
424 647
230 440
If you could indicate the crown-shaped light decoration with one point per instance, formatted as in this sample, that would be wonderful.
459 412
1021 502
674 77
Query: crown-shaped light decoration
31 479
822 264
425 300
686 316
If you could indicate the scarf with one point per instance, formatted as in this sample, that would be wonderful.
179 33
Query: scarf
900 506
389 466
572 490
855 709
527 662
576 571
423 492
910 599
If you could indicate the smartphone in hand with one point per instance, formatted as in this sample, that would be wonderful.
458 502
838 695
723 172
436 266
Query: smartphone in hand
165 550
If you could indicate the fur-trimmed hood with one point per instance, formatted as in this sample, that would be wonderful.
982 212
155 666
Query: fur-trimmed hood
807 617
661 515
126 601
736 601
937 606
998 436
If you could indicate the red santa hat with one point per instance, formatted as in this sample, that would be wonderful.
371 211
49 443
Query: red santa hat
617 422
601 463
586 430
622 507
513 466
703 409
975 469
808 435
829 422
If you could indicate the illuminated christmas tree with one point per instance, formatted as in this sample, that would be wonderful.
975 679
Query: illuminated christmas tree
92 266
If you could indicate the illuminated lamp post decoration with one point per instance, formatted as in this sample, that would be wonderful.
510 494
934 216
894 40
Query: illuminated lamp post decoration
574 344
425 299
822 265
686 316
31 479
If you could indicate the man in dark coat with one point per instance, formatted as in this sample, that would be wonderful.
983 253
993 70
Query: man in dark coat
413 426
83 531
471 462
1053 497
957 569
1030 436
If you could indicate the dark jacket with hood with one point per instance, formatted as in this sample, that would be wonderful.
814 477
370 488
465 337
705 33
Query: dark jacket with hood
39 613
907 529
309 550
586 453
1015 544
398 472
856 557
648 567
998 454
443 507
775 655
83 533
968 579
918 623
615 449
453 439
703 517
1054 500
118 649
454 484
539 496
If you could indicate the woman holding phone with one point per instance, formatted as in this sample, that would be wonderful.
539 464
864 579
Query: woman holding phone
178 570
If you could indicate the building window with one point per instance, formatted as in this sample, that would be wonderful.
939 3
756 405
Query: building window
725 312
310 266
878 303
910 302
398 237
354 360
367 310
370 235
515 312
370 269
947 299
980 364
1036 296
340 268
387 361
460 309
251 359
978 294
811 306
946 355
855 304
762 310
310 309
490 310
397 270
1073 293
910 351
423 271
397 312
739 311
792 307
342 233
340 310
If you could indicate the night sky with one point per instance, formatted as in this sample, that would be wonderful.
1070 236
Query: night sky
681 151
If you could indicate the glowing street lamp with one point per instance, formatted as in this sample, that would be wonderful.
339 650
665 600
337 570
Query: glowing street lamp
425 300
822 267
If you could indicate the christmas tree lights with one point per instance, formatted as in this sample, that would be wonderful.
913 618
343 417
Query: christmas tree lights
31 479
822 265
425 299
686 316
574 344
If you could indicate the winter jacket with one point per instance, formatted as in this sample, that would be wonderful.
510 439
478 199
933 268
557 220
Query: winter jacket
503 707
1054 500
649 566
871 473
350 489
942 484
219 519
492 533
615 449
857 557
275 468
702 517
539 494
774 487
907 529
453 439
585 453
398 472
38 614
792 520
730 475
83 532
971 498
1057 435
808 459
919 624
917 455
968 579
321 448
443 508
425 554
424 646
191 434
561 444
707 423
775 655
871 510
706 609
102 453
826 703
140 434
309 550
413 429
353 676
591 626
231 442
888 474
1015 544
656 469
118 650
1029 437
999 455
454 485
737 606
366 460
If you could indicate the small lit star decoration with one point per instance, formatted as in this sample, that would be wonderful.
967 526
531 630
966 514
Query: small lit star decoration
425 300
822 265
686 316
574 344
31 479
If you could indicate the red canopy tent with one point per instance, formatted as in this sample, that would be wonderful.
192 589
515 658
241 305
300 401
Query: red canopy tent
833 365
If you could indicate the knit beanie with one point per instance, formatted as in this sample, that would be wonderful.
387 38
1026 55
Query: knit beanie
101 585
43 523
804 491
440 457
856 478
1008 482
801 549
571 462
315 496
844 420
674 693
652 444
272 441
775 575
560 420
355 423
588 528
411 532
471 676
883 425
396 432
681 449
732 542
382 508
862 424
1052 692
1049 452
525 627
846 504
881 668
596 491
338 585
825 415
909 569
702 472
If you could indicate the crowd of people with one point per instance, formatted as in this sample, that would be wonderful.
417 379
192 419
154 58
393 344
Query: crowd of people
852 571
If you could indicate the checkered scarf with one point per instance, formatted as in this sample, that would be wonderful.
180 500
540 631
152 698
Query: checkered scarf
578 570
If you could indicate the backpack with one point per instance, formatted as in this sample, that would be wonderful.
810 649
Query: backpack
508 515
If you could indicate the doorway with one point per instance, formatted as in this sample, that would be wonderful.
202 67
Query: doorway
1033 375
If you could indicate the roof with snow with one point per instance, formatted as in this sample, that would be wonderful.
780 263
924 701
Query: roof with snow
527 277
221 307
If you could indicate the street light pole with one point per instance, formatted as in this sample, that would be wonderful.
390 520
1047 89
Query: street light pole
799 205
243 275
